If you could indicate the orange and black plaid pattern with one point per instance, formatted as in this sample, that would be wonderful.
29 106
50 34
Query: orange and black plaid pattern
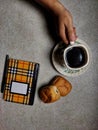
21 72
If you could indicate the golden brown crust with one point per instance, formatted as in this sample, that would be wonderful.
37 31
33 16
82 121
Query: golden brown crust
63 85
49 94
59 87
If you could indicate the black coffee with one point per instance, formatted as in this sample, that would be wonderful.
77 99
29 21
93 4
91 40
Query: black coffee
76 57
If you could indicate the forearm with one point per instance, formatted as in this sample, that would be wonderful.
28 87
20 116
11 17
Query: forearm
47 3
52 5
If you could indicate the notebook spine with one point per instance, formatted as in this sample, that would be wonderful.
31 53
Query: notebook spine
4 73
35 78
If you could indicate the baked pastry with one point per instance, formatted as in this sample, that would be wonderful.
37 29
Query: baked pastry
49 94
57 88
63 85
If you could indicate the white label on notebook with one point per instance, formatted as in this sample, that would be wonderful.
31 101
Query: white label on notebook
19 88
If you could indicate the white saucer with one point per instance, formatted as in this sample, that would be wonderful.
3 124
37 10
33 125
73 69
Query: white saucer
64 70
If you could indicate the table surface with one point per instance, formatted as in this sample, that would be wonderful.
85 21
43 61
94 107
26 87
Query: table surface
27 32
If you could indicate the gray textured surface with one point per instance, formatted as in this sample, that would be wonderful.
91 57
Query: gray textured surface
24 35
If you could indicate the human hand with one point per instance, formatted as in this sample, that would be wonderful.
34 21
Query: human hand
64 23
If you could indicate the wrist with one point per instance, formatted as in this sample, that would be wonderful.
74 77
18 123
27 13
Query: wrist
57 8
46 3
53 6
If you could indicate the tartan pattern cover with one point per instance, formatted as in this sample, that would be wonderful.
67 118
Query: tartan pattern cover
22 72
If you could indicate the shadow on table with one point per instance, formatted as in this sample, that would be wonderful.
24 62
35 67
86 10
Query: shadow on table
50 23
50 20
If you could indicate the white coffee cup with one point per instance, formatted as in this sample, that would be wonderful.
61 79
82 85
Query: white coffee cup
65 51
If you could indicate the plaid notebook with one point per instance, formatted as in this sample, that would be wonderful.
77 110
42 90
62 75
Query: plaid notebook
19 81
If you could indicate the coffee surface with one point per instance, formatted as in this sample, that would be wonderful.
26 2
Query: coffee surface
75 57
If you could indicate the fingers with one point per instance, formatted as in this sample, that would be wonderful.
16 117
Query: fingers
71 32
66 30
67 35
62 33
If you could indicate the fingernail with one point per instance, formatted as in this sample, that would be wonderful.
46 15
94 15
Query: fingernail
72 42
